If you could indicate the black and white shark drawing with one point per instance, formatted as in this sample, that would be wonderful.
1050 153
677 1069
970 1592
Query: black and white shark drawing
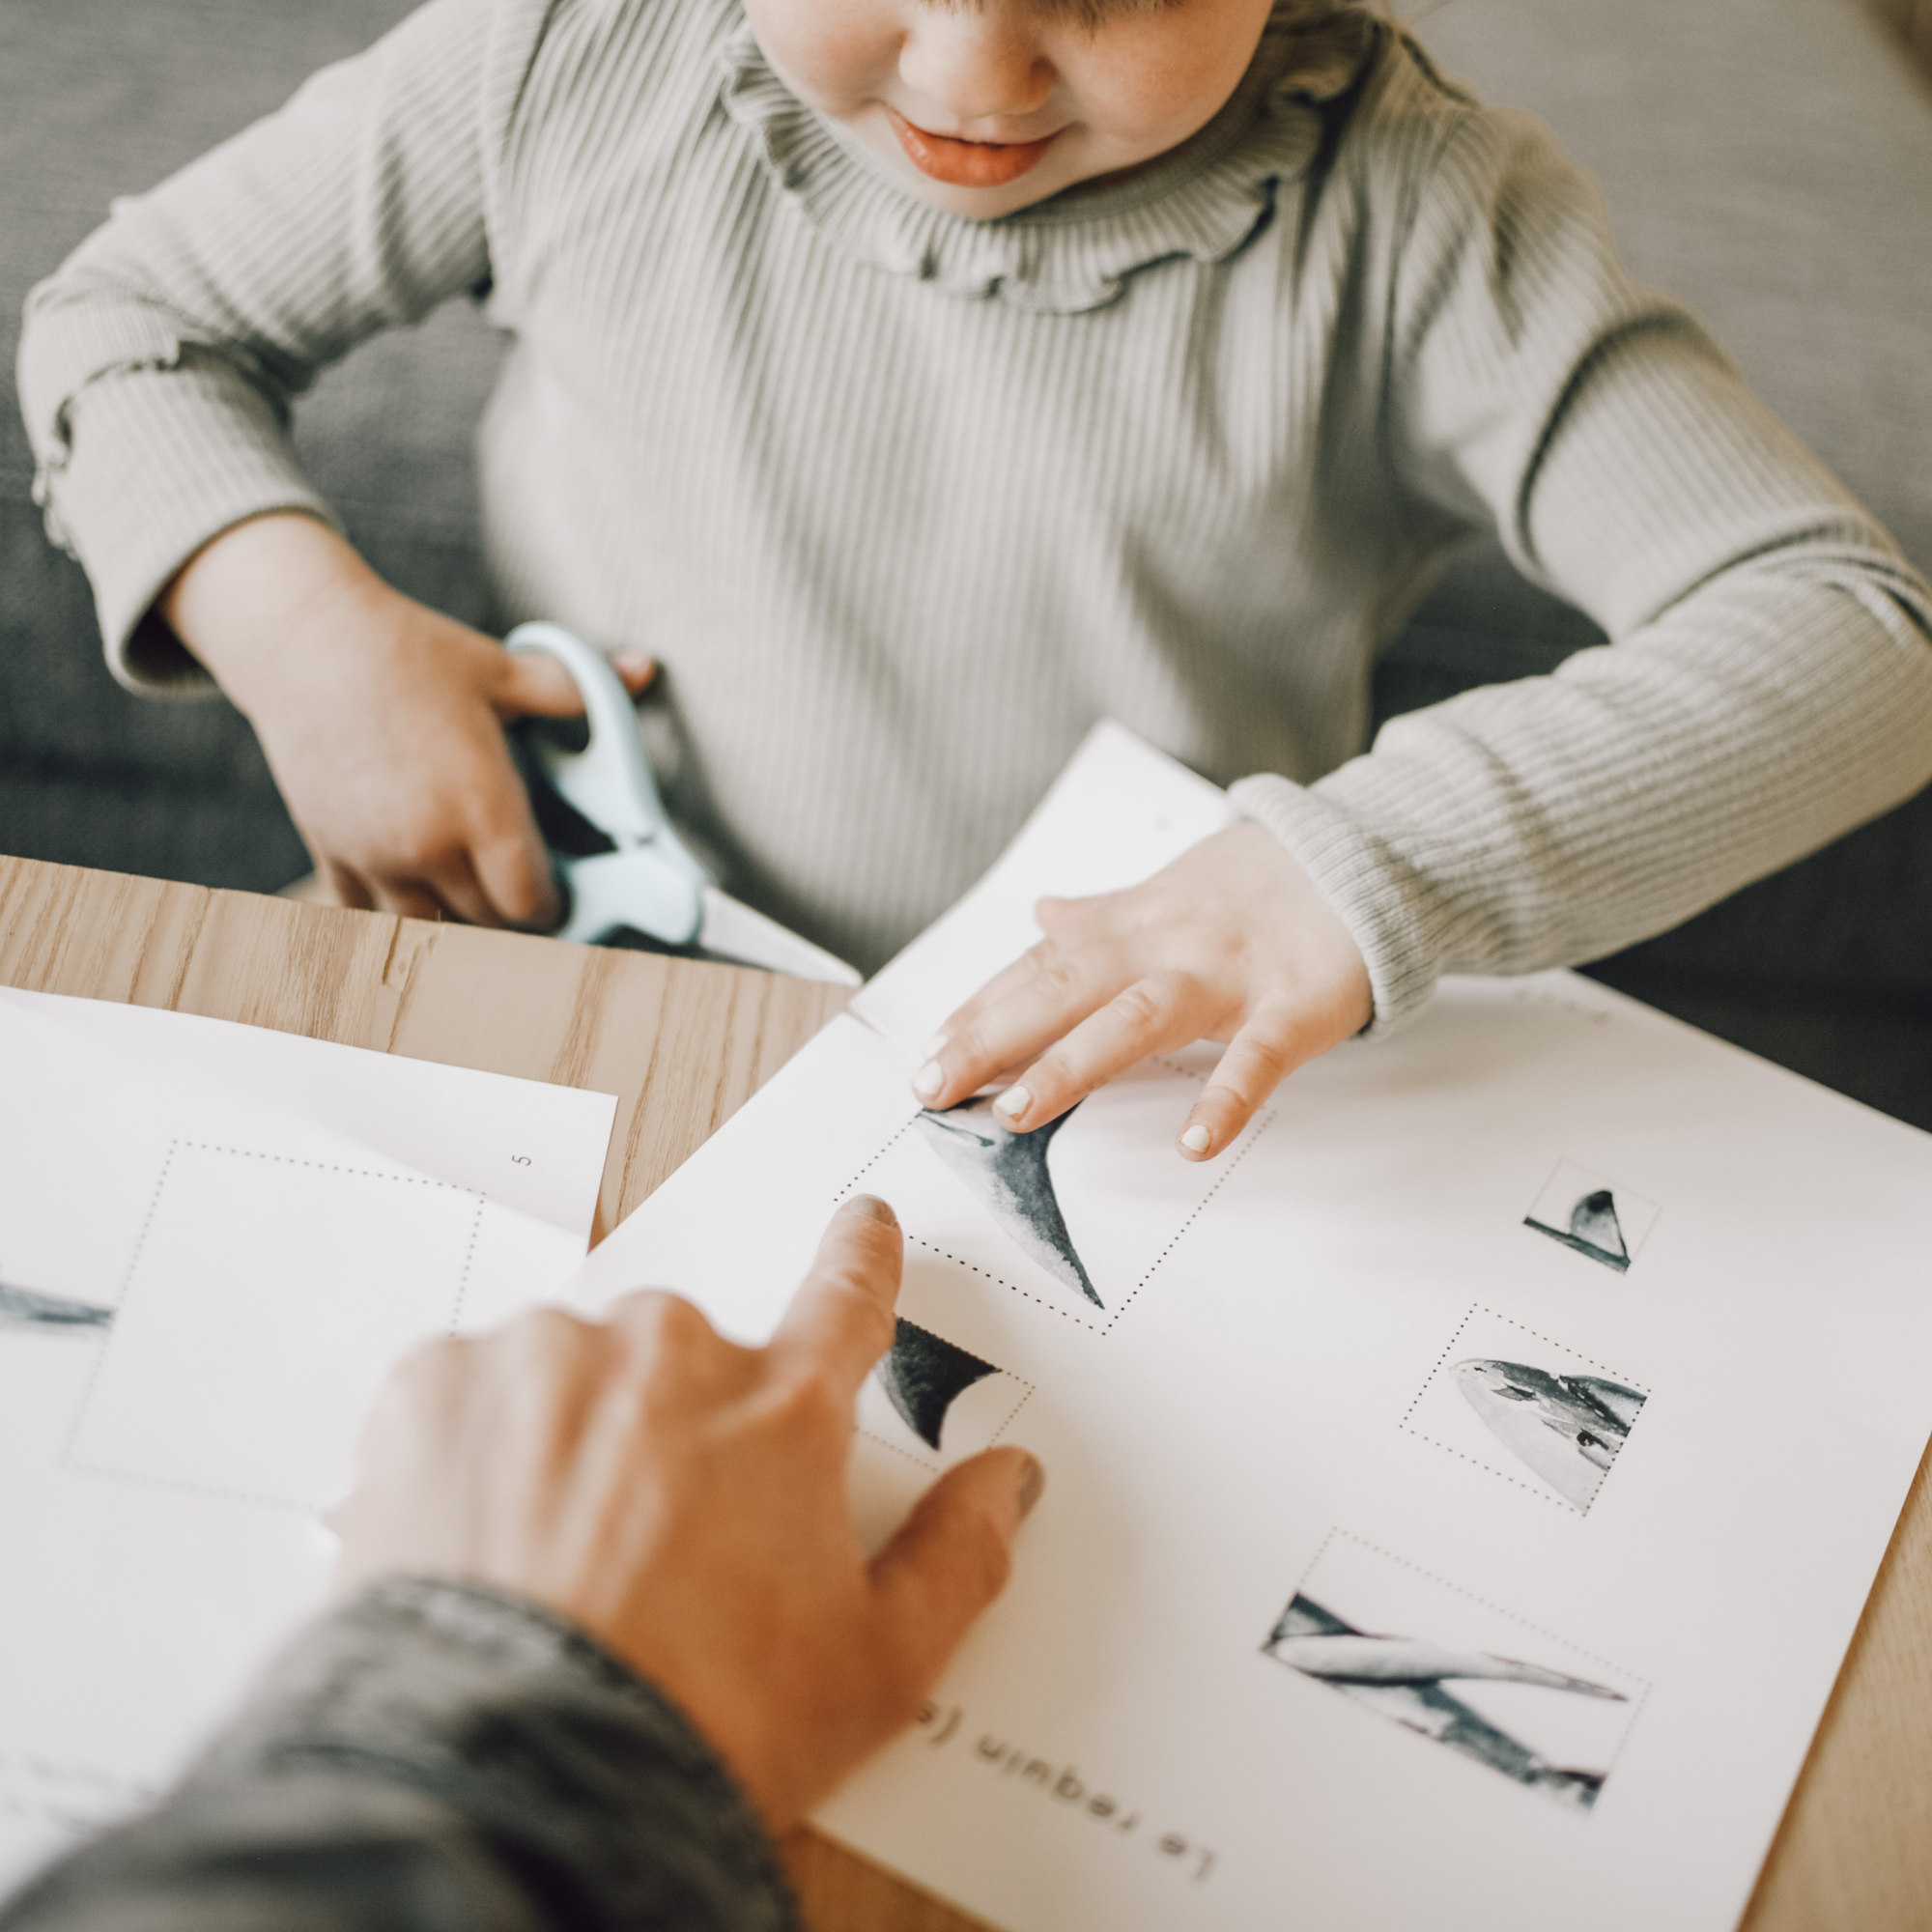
923 1375
24 1308
1565 1428
1403 1677
1593 1229
1008 1174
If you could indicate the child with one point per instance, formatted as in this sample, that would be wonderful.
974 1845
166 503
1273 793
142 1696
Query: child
918 381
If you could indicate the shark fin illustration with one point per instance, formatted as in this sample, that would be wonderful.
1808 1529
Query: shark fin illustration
1565 1428
1008 1174
1593 1229
923 1375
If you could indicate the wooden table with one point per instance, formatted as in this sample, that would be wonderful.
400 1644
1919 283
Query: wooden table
683 1046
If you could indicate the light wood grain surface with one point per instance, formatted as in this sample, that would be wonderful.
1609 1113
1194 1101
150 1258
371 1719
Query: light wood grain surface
683 1046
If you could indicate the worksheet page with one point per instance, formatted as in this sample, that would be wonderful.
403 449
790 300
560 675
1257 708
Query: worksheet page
1460 1495
214 1240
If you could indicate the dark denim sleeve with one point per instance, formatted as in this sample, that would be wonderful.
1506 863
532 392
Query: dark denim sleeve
435 1756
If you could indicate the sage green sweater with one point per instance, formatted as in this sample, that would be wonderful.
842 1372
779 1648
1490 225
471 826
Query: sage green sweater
903 503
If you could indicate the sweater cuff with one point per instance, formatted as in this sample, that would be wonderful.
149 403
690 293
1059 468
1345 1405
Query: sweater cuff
156 464
1373 893
544 1745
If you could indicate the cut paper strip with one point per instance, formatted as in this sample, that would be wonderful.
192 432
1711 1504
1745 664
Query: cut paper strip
1565 1428
1402 1678
1008 1174
922 1375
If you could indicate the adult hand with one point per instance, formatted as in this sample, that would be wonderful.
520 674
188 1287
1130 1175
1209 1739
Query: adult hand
683 1499
382 722
1231 943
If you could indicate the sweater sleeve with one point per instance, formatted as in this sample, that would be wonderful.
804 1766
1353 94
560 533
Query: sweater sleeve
158 364
434 1755
1769 682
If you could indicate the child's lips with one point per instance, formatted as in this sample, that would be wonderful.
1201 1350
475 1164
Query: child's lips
967 163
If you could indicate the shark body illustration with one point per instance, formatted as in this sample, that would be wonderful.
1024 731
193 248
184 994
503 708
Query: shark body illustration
1594 1230
1565 1428
923 1375
1008 1174
23 1308
1403 1677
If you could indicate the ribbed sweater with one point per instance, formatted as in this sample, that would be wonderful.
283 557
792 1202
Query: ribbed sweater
904 502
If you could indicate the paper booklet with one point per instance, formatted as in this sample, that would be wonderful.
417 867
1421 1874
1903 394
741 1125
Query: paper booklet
214 1241
1460 1495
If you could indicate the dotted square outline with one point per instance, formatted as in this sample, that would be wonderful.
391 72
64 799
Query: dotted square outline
1638 1705
1251 1137
175 1146
1541 1493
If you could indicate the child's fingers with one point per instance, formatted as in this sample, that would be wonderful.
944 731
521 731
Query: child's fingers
533 684
1035 1001
1257 1059
1153 1015
513 878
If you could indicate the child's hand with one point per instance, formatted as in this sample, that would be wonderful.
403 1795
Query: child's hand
1231 941
382 722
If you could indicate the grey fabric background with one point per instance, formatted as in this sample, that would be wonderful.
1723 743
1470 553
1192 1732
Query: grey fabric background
1768 160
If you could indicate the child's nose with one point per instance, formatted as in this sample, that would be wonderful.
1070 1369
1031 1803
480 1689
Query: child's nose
976 65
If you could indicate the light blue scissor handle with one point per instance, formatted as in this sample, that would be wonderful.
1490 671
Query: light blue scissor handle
651 881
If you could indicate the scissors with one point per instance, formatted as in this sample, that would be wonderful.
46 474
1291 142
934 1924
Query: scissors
645 881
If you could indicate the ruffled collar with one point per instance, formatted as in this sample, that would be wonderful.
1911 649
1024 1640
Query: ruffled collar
1073 252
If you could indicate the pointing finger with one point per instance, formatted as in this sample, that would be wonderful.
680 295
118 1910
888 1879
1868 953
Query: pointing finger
842 1315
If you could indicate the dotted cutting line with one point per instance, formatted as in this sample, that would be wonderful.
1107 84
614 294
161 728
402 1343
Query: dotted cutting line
1448 1348
926 1463
1221 1181
324 1166
133 1263
120 1302
1000 1280
1013 1416
904 1126
1562 1503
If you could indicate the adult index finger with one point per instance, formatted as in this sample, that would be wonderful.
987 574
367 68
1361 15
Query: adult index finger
842 1315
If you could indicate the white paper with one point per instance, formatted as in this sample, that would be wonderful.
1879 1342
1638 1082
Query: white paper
214 1241
1267 1459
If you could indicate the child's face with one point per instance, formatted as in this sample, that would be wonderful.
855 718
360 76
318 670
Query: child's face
983 106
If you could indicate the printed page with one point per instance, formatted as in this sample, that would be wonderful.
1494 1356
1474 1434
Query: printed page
1461 1495
214 1240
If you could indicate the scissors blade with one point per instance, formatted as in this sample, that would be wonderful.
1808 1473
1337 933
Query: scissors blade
732 930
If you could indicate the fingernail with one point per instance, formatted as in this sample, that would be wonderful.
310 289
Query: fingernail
928 1080
637 663
1033 1480
1197 1139
873 1208
1013 1102
935 1046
